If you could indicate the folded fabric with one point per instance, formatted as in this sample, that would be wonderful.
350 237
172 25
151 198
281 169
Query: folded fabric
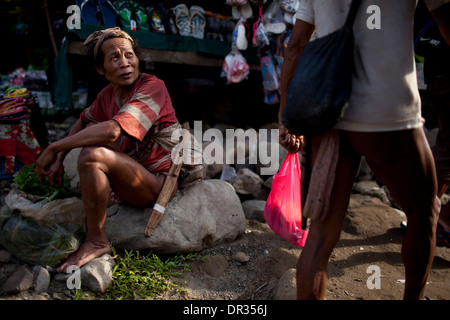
322 177
17 142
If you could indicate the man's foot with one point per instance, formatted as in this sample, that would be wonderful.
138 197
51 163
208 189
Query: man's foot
88 251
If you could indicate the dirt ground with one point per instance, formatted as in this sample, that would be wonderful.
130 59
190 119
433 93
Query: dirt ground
371 236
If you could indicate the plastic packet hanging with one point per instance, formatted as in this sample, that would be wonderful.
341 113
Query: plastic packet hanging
283 211
269 74
235 68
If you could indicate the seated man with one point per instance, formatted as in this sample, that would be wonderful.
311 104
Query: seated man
118 135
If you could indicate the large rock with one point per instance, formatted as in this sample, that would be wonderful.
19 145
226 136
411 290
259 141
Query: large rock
201 216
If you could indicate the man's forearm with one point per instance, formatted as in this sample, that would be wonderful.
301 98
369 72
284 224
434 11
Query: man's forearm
79 136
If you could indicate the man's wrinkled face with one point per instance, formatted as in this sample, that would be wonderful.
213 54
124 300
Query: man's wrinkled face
120 65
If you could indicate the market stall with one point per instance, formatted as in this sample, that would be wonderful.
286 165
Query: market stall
250 38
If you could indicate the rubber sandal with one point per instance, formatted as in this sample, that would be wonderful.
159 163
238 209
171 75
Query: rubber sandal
442 237
246 11
109 13
275 27
182 19
141 17
17 92
169 17
156 19
239 38
289 5
197 21
124 11
237 2
88 10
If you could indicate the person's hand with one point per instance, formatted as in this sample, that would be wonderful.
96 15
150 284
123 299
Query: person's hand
56 174
290 142
43 163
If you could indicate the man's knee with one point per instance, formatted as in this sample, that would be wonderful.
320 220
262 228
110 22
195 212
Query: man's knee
90 155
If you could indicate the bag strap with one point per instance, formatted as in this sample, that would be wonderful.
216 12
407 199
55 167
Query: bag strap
352 13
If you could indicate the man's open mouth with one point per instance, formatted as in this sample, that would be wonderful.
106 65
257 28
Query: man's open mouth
126 75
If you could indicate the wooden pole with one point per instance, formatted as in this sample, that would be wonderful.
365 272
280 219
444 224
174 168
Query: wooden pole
50 29
169 184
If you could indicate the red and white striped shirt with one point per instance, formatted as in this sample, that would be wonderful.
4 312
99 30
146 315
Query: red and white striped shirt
147 110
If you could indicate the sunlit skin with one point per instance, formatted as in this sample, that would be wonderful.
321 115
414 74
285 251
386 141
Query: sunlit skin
397 158
100 165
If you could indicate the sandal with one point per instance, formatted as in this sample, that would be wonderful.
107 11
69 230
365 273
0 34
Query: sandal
141 17
182 19
197 21
156 19
109 13
124 11
442 237
88 10
17 92
289 5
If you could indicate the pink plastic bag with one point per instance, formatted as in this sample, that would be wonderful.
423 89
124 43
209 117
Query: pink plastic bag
283 211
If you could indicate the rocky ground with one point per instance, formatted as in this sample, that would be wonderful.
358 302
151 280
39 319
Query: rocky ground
259 265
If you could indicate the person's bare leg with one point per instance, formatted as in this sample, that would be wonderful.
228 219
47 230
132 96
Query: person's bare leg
403 162
100 169
444 216
312 265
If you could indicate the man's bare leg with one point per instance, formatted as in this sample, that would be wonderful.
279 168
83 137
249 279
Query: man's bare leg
403 162
100 169
312 274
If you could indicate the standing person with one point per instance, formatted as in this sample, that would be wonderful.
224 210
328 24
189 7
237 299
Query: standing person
118 135
383 123
436 51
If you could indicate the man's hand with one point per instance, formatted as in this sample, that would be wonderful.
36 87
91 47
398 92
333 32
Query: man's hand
43 163
290 142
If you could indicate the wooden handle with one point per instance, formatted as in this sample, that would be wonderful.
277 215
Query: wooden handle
169 184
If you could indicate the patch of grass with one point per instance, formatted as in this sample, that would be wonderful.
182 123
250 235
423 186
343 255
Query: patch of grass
137 276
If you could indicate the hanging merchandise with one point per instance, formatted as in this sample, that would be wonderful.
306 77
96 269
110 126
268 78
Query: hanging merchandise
197 21
155 13
239 37
273 19
132 15
260 36
190 22
240 9
182 19
270 76
18 145
289 5
98 12
235 67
